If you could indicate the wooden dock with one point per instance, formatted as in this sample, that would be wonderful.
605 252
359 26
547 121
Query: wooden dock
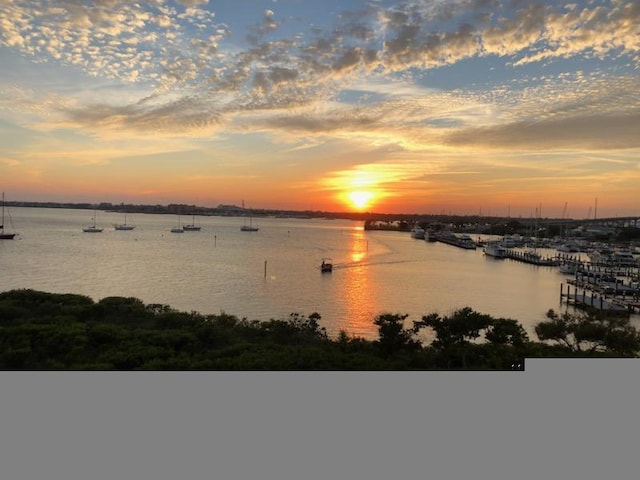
531 258
591 298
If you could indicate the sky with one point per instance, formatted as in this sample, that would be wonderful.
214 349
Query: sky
490 107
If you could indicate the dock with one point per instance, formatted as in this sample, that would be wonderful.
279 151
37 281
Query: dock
531 257
589 297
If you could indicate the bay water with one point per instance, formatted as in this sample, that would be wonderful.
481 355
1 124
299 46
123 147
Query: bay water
271 273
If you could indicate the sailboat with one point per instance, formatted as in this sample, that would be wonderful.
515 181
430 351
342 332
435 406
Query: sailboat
3 235
177 229
125 225
92 228
192 227
250 227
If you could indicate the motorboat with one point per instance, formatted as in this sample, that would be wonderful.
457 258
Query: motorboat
417 232
495 249
326 266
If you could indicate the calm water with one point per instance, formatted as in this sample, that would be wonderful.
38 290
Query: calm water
221 268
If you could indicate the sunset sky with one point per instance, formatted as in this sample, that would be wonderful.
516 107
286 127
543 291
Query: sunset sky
420 106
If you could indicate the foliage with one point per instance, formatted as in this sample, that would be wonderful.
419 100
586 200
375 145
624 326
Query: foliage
590 333
505 331
393 337
43 331
626 234
461 327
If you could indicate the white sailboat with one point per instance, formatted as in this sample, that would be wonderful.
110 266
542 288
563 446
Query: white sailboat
3 234
92 228
250 227
125 225
177 229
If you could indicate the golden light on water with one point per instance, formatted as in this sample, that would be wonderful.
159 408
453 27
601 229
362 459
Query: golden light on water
359 247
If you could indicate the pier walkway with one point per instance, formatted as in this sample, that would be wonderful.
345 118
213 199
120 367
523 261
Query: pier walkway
592 298
531 257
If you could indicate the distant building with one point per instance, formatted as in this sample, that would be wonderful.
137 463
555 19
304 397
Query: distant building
230 209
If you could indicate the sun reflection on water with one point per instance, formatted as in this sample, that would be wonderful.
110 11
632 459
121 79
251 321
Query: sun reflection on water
358 293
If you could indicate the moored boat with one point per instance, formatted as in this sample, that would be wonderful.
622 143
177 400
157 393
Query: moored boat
179 228
417 232
495 249
451 238
125 225
192 227
93 228
4 235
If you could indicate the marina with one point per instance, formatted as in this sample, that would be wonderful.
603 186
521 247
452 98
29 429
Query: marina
608 281
595 298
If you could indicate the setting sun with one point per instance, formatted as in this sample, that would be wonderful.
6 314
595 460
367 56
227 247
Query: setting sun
360 199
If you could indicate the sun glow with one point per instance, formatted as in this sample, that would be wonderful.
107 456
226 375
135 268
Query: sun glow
360 199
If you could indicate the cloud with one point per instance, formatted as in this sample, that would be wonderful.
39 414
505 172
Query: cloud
294 82
597 132
179 116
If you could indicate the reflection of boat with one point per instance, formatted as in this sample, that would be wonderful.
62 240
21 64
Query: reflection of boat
495 249
3 235
125 225
92 228
326 266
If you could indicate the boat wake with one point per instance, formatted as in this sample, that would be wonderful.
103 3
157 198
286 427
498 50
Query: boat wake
368 264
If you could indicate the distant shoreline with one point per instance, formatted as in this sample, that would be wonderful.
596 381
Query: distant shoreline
234 210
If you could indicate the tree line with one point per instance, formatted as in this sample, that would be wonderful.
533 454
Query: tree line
48 331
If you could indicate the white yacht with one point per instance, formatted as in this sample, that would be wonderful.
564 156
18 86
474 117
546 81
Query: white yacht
417 232
495 249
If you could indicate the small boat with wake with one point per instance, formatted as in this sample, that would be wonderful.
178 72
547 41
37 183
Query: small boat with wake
326 266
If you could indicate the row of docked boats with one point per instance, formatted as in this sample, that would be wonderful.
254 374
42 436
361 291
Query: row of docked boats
444 236
497 250
463 241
